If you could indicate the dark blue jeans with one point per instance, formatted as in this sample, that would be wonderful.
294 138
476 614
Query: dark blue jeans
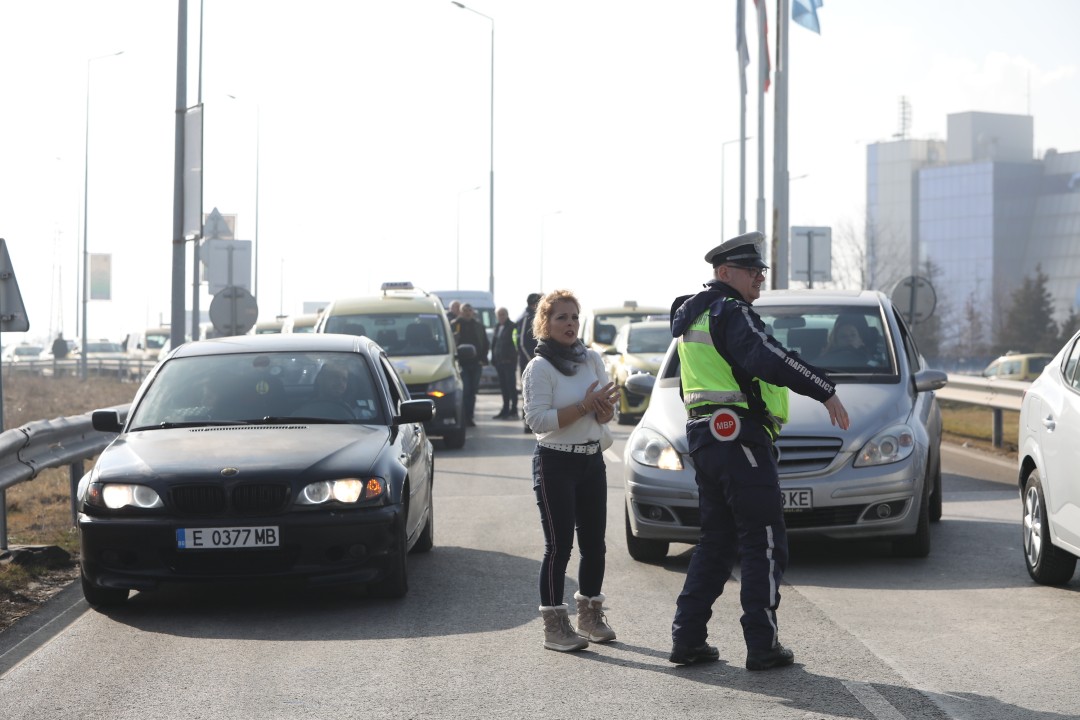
742 516
571 491
507 384
470 379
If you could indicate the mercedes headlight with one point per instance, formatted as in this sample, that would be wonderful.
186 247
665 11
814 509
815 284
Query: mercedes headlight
649 447
888 446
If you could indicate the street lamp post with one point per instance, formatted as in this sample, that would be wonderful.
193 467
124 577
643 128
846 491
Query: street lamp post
255 243
542 219
491 155
86 215
742 186
457 255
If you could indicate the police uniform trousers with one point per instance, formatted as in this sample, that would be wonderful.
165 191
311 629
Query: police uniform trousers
742 519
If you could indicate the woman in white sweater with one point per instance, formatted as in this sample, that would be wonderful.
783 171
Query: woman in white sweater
567 400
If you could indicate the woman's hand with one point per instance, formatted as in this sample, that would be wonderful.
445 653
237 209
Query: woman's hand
601 401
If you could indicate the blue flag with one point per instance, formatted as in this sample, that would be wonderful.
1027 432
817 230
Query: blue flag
804 12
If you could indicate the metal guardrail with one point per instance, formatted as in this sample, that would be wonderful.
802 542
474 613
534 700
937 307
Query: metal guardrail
998 395
27 450
134 369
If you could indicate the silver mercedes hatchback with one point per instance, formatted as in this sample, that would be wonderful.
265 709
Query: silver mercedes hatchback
880 479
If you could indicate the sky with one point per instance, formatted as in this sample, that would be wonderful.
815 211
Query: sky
362 133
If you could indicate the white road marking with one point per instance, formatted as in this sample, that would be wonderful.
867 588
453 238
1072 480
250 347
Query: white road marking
872 700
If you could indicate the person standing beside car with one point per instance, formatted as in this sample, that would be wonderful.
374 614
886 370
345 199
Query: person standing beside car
525 340
735 380
504 358
567 400
469 331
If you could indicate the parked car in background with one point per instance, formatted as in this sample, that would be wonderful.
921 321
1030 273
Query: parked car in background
411 326
1017 366
1049 454
146 344
639 347
268 327
260 457
599 325
878 480
22 352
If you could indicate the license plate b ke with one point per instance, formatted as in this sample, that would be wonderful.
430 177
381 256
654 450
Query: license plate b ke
797 499
226 538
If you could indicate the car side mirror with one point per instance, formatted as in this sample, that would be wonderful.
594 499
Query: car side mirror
466 352
641 383
927 380
106 421
415 411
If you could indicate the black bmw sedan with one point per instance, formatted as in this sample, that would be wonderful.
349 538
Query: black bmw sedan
293 456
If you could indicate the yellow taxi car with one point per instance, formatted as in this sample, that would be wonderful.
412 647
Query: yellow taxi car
599 325
1018 366
411 326
638 347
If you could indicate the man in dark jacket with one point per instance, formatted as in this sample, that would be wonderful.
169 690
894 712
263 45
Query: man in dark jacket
469 331
504 358
526 341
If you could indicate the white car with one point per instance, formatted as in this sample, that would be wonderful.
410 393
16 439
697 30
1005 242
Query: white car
878 480
1049 455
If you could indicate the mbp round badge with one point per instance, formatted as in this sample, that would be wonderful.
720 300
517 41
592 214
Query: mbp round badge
724 425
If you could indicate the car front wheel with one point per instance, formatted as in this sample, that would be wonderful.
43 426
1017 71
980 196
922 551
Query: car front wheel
642 550
395 582
454 439
1047 564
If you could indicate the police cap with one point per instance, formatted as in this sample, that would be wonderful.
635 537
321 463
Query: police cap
744 251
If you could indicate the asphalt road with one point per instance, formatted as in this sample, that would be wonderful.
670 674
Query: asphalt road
962 634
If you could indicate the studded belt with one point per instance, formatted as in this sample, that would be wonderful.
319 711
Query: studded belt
590 448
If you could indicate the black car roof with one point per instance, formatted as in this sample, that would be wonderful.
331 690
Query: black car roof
289 342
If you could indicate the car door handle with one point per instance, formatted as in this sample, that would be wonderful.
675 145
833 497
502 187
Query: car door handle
1049 423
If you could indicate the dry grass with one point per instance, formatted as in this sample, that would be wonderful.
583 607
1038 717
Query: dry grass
974 425
39 510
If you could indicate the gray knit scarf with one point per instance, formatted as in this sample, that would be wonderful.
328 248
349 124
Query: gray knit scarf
565 359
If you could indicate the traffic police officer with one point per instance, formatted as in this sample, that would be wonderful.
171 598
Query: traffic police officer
735 380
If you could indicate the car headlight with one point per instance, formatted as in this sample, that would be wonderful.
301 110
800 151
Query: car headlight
117 495
347 490
443 387
889 446
649 447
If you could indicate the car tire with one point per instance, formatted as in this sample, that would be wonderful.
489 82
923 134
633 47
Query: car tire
1046 563
917 545
935 490
454 439
642 550
395 582
102 596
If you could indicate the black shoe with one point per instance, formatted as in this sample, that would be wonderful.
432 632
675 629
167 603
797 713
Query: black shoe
778 656
500 416
683 655
470 423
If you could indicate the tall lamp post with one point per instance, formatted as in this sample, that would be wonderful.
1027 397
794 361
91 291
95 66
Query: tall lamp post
742 188
457 258
542 219
491 155
86 196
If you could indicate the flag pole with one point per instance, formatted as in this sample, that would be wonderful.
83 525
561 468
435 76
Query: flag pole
763 79
780 150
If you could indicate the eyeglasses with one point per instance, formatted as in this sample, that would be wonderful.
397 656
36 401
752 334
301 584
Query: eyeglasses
752 270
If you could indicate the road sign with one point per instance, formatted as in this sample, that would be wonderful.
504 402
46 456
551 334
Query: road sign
811 254
915 298
12 312
233 311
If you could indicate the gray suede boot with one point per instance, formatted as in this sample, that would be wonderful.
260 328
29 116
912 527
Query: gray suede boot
558 632
591 621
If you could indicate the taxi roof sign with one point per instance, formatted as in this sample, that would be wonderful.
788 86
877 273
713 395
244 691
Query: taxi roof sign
12 312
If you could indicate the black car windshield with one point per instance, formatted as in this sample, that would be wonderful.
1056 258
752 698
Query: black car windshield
840 339
246 388
400 334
